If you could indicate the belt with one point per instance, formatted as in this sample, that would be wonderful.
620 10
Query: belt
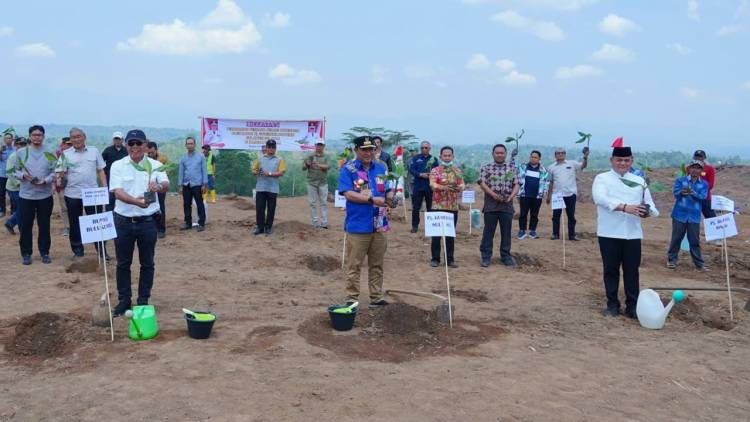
140 219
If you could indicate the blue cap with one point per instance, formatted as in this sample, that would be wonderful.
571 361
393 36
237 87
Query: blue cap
135 134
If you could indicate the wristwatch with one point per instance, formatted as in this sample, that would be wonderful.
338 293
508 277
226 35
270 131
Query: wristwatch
369 198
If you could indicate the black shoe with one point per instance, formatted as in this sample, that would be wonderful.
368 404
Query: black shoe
324 227
414 229
46 259
120 309
77 254
611 312
434 263
269 230
555 237
107 257
257 231
485 263
452 264
379 304
630 313
9 228
186 226
26 260
161 235
508 262
201 228
141 302
574 238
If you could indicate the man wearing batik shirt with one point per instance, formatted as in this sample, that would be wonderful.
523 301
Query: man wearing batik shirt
499 181
447 183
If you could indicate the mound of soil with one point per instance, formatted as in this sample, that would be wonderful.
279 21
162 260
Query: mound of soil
397 333
244 204
46 335
84 265
712 315
287 227
526 261
472 295
321 263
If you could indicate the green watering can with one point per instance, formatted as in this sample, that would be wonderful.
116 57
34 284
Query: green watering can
143 324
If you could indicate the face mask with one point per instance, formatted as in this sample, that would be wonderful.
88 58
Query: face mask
444 164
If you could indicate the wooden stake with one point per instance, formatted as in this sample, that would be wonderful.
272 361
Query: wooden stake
729 288
447 280
563 230
469 219
343 253
106 288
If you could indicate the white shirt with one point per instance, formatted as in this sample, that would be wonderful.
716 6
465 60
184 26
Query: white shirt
564 177
609 192
124 176
82 173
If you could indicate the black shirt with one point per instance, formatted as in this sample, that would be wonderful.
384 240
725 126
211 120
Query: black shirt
112 154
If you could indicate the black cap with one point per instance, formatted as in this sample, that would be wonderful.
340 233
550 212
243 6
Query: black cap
699 153
696 163
271 143
374 138
362 142
136 134
622 152
207 147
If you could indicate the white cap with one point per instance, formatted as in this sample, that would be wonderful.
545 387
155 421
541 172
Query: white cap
320 141
117 134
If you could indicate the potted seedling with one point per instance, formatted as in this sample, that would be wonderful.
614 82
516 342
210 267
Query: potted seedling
145 166
633 184
21 164
514 140
62 166
585 137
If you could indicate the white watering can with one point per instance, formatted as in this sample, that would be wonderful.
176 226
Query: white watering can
651 312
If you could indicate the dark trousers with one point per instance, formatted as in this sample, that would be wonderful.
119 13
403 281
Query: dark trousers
625 253
491 220
435 247
190 193
41 210
111 205
130 234
75 210
706 209
15 207
693 231
265 209
570 211
161 218
3 181
529 206
416 205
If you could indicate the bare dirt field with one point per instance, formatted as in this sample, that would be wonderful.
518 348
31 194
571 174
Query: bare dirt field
528 344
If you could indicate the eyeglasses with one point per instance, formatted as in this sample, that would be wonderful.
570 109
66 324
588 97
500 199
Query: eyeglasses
134 142
425 147
560 152
37 134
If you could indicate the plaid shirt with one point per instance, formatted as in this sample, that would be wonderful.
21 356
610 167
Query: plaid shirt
500 178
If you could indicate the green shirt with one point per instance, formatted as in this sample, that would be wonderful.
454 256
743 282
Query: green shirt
317 177
210 164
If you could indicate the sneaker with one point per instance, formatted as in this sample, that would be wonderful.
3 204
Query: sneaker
533 235
200 228
378 304
186 226
453 264
120 309
46 259
142 301
509 262
414 229
434 263
521 234
671 265
485 263
703 268
161 235
269 230
555 237
630 313
257 231
26 260
574 238
9 228
611 312
325 226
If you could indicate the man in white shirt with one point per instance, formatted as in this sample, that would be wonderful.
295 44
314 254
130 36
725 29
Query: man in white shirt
135 218
622 200
563 182
80 167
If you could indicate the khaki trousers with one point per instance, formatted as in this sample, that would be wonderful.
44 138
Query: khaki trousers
359 246
60 196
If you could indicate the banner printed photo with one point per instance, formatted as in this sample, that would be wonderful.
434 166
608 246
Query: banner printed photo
290 135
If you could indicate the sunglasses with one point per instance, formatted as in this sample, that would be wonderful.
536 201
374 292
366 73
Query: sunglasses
135 142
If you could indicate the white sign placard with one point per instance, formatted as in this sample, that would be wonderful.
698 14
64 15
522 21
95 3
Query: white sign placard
468 197
95 196
438 224
558 203
719 227
339 201
721 203
97 227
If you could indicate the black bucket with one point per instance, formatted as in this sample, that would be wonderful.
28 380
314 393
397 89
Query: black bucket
199 329
341 322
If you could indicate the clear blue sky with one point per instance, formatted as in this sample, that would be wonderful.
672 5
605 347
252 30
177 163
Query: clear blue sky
664 74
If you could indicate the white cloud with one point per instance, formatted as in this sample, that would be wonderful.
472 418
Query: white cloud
548 31
729 30
578 71
680 49
617 25
278 20
379 75
478 61
291 76
613 53
505 65
226 29
692 11
567 5
688 92
6 31
518 78
746 86
38 50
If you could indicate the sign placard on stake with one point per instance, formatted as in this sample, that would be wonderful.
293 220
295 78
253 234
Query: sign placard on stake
97 227
468 197
95 196
339 201
557 203
720 227
721 203
437 224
